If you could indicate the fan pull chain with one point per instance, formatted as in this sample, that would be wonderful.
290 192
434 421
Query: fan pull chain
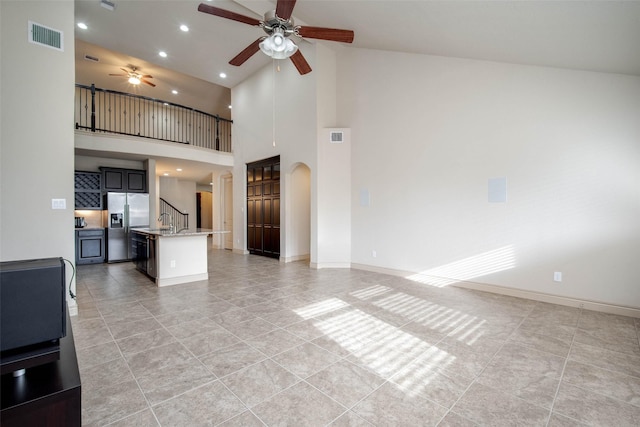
273 75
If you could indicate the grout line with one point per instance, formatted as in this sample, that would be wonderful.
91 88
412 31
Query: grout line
474 380
298 281
564 367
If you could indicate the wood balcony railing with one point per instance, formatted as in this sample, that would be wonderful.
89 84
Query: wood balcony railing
108 111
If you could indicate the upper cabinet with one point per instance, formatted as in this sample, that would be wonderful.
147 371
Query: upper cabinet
87 190
124 180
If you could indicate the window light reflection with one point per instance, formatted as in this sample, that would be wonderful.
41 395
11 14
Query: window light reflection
321 307
370 292
411 363
468 268
385 349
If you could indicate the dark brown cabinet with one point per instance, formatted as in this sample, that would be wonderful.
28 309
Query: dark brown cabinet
88 190
263 207
46 395
90 246
124 180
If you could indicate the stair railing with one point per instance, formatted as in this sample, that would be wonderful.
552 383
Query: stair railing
180 219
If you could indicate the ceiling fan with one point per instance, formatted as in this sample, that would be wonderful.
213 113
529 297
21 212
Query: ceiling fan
279 26
134 77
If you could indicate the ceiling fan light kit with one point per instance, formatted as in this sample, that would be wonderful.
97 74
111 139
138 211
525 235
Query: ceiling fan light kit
135 78
279 26
277 46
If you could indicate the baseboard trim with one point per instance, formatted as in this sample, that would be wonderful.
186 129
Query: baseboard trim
170 281
295 258
319 265
240 251
72 306
520 293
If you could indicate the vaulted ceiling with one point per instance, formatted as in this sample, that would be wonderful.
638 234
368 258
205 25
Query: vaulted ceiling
602 36
589 35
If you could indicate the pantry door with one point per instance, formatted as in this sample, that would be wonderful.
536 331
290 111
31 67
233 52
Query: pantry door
263 207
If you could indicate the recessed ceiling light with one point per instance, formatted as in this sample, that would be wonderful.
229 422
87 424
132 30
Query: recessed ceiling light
175 92
179 169
230 107
211 183
162 53
166 174
82 25
223 75
184 28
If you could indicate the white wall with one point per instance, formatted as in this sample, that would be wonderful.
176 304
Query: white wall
305 106
181 194
331 188
428 133
93 164
37 151
253 132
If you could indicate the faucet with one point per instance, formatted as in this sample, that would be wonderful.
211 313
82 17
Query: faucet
171 226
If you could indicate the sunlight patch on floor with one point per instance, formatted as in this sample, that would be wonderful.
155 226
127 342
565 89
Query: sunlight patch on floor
385 349
322 307
500 259
370 292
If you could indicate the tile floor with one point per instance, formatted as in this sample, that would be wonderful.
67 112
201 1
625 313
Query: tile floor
264 343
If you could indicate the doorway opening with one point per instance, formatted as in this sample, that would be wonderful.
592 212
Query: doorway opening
227 211
298 221
204 209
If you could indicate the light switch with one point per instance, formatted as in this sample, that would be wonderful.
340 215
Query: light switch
58 203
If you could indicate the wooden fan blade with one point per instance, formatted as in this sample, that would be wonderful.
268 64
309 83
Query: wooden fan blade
212 10
146 82
301 64
247 53
126 71
332 34
119 75
146 76
284 9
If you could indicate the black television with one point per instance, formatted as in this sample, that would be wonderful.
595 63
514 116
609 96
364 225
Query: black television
32 312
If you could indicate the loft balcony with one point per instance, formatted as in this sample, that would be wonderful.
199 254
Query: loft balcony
103 111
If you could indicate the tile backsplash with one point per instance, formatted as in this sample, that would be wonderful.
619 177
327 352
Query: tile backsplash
92 218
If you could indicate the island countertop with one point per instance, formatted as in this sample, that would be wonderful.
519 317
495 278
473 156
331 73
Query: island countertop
165 232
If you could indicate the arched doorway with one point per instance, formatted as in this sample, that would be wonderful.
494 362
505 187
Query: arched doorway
299 209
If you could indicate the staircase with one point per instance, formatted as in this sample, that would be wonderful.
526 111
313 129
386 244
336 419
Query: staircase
180 220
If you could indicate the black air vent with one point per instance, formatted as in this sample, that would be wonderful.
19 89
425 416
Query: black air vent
336 137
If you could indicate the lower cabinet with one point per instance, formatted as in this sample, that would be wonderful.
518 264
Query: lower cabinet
90 246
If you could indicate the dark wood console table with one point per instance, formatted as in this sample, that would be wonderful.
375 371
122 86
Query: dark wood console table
46 395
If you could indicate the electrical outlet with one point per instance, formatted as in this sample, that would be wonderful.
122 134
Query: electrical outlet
374 253
173 263
557 276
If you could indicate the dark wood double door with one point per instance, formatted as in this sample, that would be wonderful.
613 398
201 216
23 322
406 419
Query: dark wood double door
263 207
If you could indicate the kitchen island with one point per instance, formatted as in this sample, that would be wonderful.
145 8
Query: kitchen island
172 257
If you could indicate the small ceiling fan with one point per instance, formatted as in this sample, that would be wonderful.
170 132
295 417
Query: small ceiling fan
134 77
279 26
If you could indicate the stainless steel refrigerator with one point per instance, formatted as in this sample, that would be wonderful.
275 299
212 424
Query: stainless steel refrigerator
124 212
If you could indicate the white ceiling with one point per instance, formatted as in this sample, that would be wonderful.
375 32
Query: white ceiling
591 35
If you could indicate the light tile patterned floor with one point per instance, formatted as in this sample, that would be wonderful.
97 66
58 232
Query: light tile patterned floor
264 343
